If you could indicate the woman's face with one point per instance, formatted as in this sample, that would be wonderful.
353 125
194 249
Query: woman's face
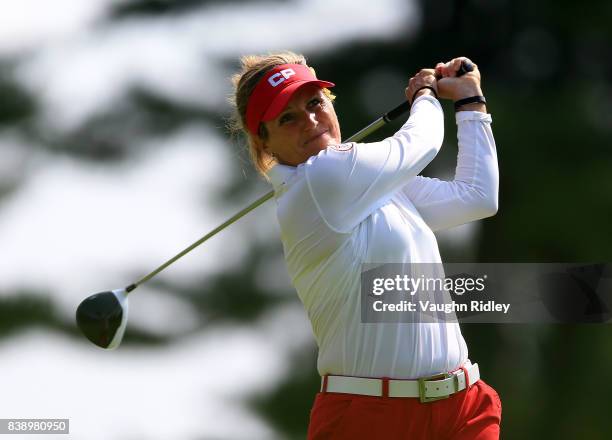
306 126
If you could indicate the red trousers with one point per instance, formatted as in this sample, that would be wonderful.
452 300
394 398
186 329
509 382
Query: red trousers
473 414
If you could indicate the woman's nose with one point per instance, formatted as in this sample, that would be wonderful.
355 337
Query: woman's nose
310 118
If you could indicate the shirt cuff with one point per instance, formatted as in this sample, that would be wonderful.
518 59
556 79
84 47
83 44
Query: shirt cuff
430 98
472 116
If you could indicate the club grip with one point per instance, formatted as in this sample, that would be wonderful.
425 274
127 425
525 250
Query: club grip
466 66
397 111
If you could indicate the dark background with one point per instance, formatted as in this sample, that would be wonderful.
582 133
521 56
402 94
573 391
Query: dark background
547 71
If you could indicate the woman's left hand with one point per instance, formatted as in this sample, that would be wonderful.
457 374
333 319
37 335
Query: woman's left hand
451 86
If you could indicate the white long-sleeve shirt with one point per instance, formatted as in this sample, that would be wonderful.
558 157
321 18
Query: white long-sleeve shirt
365 203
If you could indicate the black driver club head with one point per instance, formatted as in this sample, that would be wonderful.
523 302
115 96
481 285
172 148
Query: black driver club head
102 317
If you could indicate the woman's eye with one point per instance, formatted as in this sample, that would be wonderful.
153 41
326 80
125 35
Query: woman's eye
285 118
315 101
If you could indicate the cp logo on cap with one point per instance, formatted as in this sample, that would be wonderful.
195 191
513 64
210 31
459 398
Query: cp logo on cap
281 76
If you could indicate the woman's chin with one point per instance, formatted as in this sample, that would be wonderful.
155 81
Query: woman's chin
321 143
314 148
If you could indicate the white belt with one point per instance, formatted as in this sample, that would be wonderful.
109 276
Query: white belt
427 389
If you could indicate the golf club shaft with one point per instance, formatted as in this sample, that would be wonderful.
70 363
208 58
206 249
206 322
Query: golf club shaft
218 229
361 134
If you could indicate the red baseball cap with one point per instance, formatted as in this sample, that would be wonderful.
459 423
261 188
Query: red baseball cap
274 91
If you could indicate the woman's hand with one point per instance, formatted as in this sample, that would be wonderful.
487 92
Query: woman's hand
424 78
450 86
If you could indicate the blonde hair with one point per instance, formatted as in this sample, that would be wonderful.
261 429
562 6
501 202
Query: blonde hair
252 69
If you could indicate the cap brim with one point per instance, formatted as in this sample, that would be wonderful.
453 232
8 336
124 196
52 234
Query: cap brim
282 99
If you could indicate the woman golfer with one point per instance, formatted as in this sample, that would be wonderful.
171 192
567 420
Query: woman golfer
344 205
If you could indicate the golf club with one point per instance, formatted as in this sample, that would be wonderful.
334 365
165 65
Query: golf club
102 317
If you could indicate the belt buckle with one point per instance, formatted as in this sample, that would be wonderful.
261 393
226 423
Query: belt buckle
422 381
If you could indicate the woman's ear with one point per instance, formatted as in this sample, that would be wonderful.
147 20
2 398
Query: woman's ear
259 143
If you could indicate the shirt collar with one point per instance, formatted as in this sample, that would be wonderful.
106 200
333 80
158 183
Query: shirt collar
279 175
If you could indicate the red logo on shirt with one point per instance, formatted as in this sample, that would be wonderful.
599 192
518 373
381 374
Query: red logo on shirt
343 147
